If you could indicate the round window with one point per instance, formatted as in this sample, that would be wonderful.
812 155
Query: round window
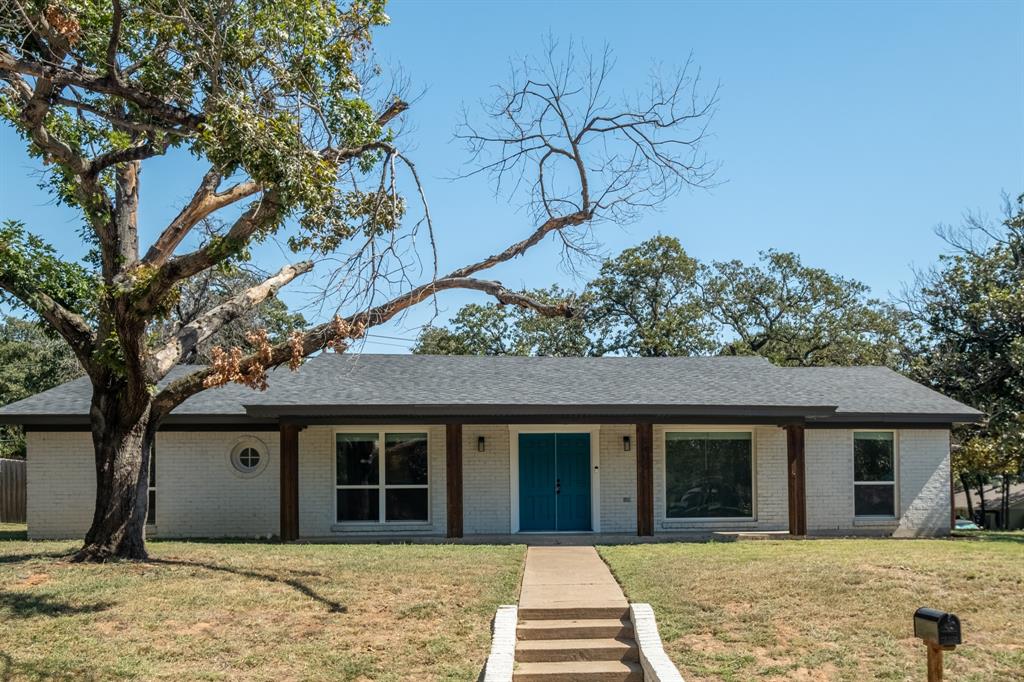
249 457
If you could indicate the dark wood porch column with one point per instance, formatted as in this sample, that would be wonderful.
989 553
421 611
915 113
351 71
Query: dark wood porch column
797 484
453 477
289 482
645 479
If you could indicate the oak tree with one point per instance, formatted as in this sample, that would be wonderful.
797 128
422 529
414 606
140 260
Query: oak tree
972 310
495 329
797 315
272 99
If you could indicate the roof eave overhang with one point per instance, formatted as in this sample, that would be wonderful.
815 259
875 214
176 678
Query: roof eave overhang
908 418
475 410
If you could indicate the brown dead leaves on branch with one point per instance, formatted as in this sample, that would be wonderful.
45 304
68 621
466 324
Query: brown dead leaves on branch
227 366
233 365
63 23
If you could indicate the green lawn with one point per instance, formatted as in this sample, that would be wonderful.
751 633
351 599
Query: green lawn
252 611
830 609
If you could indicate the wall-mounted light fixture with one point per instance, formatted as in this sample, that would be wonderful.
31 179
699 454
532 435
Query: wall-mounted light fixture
625 443
480 444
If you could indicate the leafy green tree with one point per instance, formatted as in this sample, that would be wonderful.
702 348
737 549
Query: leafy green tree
647 301
31 361
495 329
796 315
654 299
270 98
972 308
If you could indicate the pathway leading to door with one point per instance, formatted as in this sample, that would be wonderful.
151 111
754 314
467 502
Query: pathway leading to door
573 620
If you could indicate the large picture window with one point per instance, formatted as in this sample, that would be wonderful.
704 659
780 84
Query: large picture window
371 488
709 475
874 473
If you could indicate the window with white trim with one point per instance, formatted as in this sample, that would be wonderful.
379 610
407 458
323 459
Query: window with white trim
151 507
709 474
374 489
247 460
874 473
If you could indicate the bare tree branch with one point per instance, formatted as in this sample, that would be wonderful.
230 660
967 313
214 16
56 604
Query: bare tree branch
70 325
206 325
261 214
353 327
206 201
60 76
554 130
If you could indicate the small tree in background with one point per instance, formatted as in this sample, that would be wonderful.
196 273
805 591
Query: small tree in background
30 361
972 309
271 99
796 315
491 329
647 301
654 300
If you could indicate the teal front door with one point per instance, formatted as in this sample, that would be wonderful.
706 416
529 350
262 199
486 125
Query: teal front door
554 482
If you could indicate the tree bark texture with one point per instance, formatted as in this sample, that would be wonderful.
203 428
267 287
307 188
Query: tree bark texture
123 434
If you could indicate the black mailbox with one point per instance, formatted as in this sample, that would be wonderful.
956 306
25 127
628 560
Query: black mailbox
937 627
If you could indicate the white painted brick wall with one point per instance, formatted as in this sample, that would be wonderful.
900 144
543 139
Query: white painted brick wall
317 486
61 484
771 498
924 482
200 494
828 472
923 485
618 479
485 479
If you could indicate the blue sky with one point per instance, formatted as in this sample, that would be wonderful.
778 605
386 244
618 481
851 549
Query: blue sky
846 131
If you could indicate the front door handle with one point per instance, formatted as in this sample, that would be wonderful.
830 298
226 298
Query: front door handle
558 486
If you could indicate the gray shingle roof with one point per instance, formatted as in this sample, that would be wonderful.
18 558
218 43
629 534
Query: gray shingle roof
418 385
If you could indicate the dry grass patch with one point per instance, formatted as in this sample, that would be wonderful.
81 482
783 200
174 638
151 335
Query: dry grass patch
251 611
829 609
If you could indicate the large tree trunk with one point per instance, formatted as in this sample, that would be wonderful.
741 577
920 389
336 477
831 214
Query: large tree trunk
123 433
967 493
981 499
1005 507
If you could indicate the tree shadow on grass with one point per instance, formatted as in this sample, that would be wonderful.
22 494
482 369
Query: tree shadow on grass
27 605
300 587
40 670
19 558
9 535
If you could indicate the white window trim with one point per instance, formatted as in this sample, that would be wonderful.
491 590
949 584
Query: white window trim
241 444
150 488
594 431
895 482
382 485
681 521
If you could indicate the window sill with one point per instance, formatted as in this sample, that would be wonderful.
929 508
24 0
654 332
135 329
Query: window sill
378 528
875 521
687 524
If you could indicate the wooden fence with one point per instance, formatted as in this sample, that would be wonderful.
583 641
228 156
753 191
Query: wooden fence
12 491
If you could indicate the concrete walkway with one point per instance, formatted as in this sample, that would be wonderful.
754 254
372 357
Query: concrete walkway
569 582
574 623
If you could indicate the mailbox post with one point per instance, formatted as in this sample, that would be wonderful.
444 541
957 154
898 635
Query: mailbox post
940 631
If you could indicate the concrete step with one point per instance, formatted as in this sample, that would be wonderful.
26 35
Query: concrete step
550 650
573 612
600 628
579 671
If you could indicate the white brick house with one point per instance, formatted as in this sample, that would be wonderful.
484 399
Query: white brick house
426 446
